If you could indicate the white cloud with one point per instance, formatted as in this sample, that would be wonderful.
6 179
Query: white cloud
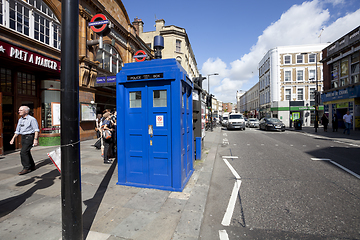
301 24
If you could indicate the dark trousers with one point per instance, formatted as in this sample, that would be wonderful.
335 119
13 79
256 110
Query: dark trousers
107 149
27 143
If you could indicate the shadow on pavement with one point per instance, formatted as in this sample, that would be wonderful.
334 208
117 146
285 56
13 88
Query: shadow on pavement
93 204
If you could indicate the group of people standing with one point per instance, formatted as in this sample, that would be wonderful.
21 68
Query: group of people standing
106 133
347 118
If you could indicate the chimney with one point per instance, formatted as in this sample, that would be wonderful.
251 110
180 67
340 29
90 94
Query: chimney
139 25
159 25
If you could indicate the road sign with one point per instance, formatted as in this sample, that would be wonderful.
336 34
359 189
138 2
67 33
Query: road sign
98 23
140 56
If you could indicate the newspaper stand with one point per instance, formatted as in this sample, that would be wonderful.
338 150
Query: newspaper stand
154 125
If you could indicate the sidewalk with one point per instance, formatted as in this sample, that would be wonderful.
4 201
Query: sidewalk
30 205
353 138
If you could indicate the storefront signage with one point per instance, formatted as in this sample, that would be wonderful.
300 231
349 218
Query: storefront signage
350 92
145 76
106 79
22 55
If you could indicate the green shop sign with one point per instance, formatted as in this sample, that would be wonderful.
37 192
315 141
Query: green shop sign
297 108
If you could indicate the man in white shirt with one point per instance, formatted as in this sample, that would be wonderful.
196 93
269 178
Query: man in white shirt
347 121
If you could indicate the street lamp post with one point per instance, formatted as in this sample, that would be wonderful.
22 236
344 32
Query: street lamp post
316 97
208 78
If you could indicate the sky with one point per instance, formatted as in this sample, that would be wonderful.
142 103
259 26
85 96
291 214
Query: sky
230 37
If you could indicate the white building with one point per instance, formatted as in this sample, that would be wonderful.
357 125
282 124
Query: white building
287 82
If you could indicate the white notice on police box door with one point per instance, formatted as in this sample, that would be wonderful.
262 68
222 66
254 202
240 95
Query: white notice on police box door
159 120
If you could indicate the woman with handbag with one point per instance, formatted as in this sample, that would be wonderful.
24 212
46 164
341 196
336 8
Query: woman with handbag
107 129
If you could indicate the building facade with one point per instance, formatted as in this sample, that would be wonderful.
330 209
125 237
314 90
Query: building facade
341 78
252 102
176 44
30 60
288 78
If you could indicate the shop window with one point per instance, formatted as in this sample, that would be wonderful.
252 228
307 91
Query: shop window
159 98
33 19
135 99
50 111
109 59
287 76
5 78
26 84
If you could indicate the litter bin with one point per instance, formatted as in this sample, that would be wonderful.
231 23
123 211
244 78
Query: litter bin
297 124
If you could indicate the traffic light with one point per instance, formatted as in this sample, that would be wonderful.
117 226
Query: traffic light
317 98
208 101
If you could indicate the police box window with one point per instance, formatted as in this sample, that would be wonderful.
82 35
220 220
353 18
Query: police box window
135 99
160 98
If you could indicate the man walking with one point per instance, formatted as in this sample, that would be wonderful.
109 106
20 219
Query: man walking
28 128
347 121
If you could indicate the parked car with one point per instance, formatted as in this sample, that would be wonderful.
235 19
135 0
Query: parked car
224 121
272 124
236 121
253 122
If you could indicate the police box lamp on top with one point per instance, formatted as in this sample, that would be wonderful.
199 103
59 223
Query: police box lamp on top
158 46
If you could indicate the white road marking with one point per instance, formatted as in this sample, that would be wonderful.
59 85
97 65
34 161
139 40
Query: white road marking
291 145
225 141
230 157
224 134
230 209
223 235
237 176
335 163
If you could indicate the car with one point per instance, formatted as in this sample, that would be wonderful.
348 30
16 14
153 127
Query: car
272 124
236 121
252 122
224 120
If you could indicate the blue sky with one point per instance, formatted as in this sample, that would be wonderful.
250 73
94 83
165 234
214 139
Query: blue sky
230 37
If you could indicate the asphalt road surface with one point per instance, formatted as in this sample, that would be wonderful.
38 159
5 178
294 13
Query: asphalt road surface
283 185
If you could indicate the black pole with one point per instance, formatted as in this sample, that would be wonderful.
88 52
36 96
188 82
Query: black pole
72 225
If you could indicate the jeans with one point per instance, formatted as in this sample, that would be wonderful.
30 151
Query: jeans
347 128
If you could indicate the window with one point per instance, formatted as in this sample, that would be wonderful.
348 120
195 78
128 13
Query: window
300 94
299 58
287 59
287 94
355 68
33 19
5 80
159 98
109 59
312 93
312 58
287 76
178 46
135 99
300 75
26 84
312 75
334 68
344 65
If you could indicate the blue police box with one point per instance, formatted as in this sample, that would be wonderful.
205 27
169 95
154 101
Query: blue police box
154 125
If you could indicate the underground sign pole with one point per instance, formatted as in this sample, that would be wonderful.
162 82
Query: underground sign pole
72 224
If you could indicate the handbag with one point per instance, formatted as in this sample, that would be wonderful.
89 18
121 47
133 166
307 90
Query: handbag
107 134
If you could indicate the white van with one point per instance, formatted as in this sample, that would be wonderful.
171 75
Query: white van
236 121
225 118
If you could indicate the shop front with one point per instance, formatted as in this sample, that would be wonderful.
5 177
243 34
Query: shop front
341 101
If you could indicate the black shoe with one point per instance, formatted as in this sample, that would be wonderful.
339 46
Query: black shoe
107 162
33 168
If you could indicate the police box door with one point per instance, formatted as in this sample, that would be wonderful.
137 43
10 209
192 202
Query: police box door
148 134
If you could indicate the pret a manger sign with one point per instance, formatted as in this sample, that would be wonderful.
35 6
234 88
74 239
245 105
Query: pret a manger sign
26 56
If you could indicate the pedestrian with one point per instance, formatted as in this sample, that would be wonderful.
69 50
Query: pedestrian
347 121
28 128
98 125
107 125
325 122
335 123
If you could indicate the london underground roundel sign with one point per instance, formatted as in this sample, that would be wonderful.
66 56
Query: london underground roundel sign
140 56
98 23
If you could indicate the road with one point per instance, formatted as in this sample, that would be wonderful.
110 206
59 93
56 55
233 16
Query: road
283 185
